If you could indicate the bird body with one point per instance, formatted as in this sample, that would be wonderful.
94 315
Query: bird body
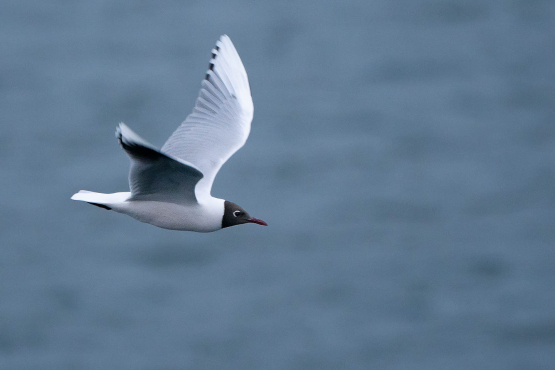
170 188
205 216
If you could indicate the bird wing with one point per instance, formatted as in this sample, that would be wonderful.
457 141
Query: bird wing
156 176
221 119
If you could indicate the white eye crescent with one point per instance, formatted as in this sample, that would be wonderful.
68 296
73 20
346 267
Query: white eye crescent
236 213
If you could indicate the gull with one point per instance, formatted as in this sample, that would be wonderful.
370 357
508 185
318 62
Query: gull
170 188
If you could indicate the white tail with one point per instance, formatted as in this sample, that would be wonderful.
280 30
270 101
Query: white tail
100 199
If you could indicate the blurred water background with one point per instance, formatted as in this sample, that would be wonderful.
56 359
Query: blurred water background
402 153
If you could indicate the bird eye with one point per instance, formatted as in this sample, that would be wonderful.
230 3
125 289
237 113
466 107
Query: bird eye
237 213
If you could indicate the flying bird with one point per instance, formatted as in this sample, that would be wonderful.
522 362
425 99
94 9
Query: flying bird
170 188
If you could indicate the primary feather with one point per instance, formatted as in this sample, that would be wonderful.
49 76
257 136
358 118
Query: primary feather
221 119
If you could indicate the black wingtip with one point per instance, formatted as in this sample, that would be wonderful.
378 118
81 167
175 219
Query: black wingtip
211 66
214 55
134 148
119 136
100 205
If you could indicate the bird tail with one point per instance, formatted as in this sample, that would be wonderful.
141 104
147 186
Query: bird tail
99 199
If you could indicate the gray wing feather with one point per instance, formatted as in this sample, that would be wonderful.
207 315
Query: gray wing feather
155 176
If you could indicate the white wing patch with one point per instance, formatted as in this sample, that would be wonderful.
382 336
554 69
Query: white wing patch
221 119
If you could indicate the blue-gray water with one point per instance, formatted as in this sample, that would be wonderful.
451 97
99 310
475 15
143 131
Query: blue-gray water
402 153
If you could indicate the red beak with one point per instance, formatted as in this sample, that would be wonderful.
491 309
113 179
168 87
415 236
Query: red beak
257 221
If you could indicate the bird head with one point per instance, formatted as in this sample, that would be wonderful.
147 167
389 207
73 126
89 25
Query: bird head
235 215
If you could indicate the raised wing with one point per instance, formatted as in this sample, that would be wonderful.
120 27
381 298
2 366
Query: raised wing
221 119
155 176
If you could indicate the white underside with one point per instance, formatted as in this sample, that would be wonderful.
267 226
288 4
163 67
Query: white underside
204 216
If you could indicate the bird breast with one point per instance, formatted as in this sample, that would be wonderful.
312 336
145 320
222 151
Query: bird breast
201 217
